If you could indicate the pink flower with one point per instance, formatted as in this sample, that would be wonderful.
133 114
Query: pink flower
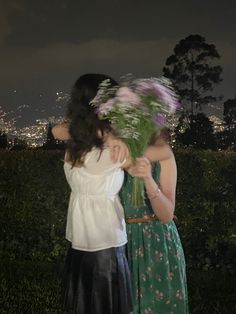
163 93
125 94
106 107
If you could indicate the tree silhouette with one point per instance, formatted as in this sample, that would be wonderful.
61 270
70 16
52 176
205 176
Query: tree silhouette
230 113
192 73
3 140
19 144
198 134
227 138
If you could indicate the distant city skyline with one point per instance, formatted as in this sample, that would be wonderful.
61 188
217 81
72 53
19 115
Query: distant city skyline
26 114
34 135
46 45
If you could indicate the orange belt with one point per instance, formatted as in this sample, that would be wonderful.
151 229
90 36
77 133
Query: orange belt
144 219
141 219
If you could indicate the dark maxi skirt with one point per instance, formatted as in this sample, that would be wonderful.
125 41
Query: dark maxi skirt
97 282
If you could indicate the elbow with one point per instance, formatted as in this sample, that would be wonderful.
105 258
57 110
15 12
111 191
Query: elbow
54 132
59 133
169 215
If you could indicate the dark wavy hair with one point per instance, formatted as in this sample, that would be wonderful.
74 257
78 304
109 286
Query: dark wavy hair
84 123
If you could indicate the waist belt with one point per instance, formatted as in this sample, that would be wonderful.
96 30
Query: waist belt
144 219
141 219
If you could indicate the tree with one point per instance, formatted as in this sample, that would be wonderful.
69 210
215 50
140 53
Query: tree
198 134
230 113
227 138
3 140
192 73
19 144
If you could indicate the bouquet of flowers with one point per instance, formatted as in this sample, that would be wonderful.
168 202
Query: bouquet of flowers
136 111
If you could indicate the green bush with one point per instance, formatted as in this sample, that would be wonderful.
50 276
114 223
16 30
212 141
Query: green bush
28 287
206 204
33 208
33 205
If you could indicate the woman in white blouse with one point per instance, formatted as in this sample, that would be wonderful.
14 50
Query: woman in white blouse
97 278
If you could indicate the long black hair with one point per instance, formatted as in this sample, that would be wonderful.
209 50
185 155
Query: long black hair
84 123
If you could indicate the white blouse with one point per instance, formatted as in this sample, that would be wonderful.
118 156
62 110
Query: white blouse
95 219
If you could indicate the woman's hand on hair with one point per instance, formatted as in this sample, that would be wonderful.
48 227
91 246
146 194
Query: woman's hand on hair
118 149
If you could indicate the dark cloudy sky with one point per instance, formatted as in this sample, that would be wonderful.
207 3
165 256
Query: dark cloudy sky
46 44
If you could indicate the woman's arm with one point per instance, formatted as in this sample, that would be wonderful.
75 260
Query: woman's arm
162 195
118 149
61 131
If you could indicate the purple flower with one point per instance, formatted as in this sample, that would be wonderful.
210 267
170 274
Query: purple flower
125 94
162 92
96 110
178 105
159 119
167 97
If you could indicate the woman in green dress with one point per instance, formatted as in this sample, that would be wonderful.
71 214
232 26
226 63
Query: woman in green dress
155 252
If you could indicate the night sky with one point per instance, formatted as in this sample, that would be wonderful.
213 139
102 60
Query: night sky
46 44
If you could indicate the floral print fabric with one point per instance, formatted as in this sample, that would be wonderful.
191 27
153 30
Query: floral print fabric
156 261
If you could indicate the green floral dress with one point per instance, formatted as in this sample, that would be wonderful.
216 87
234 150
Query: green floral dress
156 261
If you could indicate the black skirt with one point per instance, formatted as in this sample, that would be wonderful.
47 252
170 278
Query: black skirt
97 282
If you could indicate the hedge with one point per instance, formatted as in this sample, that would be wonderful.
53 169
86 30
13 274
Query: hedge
33 207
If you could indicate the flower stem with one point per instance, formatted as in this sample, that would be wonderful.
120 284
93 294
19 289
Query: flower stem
137 192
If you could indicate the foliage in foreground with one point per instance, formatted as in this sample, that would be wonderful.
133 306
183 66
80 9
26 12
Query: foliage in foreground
33 206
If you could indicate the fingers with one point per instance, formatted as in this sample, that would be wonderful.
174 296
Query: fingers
143 163
142 168
118 153
121 156
115 153
123 152
127 154
139 171
143 160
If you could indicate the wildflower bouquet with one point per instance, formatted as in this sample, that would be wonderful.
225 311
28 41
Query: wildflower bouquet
135 112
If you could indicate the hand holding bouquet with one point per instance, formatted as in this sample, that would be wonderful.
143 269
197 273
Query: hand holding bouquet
136 111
